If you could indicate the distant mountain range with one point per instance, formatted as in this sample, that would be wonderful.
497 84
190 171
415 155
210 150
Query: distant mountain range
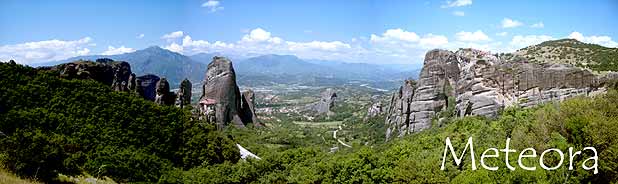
260 70
155 60
314 72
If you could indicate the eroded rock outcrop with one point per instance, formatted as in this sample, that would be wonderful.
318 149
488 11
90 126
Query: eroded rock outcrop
146 86
326 102
478 83
117 74
248 108
375 107
183 98
163 95
221 99
109 72
132 82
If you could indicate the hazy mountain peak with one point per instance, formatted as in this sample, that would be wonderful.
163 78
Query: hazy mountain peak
155 48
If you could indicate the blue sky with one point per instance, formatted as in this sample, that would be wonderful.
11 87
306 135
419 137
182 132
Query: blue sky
394 31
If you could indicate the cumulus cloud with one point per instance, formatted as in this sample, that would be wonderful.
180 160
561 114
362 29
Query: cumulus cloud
398 45
260 35
140 36
510 23
600 40
318 45
520 41
172 35
212 5
431 40
174 47
120 50
472 36
538 25
196 46
502 33
260 41
456 3
459 13
43 51
395 35
404 38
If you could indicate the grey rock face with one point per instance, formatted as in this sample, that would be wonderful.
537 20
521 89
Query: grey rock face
163 95
375 109
122 73
132 83
248 108
146 86
480 84
184 94
221 99
326 103
109 72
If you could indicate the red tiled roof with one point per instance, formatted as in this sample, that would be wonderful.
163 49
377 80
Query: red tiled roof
208 101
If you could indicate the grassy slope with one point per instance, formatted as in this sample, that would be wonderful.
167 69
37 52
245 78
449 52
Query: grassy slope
574 52
6 177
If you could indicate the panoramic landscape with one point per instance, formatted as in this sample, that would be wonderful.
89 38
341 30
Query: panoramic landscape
228 91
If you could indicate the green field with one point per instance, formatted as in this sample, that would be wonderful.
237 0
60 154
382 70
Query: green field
329 124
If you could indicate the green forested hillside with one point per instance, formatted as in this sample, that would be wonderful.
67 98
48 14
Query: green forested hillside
578 123
51 125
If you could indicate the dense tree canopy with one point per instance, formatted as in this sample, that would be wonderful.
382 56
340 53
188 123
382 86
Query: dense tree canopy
52 125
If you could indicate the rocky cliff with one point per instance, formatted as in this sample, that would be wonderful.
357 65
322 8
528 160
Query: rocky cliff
163 95
326 102
146 86
375 108
248 108
116 74
221 101
474 82
184 94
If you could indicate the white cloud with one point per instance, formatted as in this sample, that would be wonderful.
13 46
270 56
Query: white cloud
456 3
502 33
485 46
318 45
195 46
259 41
431 40
174 47
212 5
404 38
173 35
140 36
472 36
459 13
538 25
528 40
43 51
395 35
401 46
510 23
600 40
260 35
577 36
120 50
